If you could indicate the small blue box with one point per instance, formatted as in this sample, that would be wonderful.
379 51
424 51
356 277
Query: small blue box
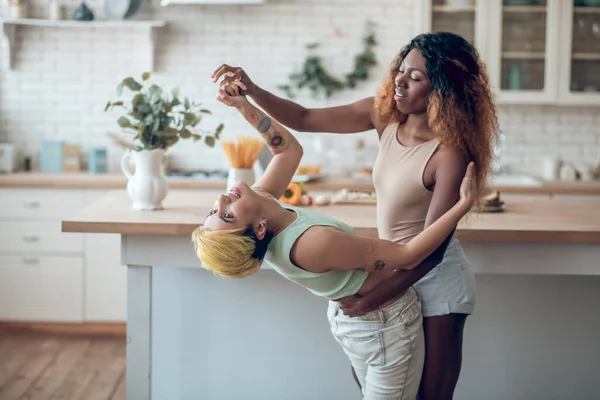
98 161
51 156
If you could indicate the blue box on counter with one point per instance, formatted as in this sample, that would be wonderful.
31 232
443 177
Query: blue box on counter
98 161
51 156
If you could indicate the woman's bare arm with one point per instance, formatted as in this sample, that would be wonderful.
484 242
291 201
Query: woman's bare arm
327 249
350 118
286 150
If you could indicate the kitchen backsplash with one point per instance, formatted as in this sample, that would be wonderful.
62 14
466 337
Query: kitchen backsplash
63 77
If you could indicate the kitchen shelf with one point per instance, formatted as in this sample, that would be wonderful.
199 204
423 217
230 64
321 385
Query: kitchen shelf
9 31
586 56
523 55
524 9
587 10
453 9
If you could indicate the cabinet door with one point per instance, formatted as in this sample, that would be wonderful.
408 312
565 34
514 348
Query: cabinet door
44 288
106 278
524 51
580 53
464 17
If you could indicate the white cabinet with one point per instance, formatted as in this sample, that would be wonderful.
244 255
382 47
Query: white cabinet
41 288
50 276
41 269
537 51
523 51
464 17
579 81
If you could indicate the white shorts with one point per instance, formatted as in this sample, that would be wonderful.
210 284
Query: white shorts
449 288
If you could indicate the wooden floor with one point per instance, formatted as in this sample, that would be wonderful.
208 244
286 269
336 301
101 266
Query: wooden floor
46 366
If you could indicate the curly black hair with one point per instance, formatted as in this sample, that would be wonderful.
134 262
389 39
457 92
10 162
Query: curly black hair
461 110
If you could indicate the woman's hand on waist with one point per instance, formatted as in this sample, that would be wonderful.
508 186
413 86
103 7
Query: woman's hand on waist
355 306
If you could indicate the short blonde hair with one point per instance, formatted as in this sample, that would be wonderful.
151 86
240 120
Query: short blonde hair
230 253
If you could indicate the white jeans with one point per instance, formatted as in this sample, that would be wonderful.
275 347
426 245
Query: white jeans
386 347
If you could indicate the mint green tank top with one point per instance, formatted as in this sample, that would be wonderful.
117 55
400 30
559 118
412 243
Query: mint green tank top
333 284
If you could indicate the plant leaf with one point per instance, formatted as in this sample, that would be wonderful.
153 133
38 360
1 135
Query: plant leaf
175 102
189 118
205 111
143 108
146 76
107 106
196 137
119 89
136 99
186 103
170 132
141 129
219 130
132 84
124 122
175 92
149 119
196 121
210 141
185 134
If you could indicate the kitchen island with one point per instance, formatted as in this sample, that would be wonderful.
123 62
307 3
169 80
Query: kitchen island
192 335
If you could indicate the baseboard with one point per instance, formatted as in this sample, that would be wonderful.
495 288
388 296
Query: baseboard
84 329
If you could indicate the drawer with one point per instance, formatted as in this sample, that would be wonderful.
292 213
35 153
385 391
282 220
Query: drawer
38 237
40 203
41 289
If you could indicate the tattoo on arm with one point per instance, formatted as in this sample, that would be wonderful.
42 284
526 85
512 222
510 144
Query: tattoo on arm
277 141
378 265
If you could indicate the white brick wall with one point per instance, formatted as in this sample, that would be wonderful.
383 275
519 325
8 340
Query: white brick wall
63 77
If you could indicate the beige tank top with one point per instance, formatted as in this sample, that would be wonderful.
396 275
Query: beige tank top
402 199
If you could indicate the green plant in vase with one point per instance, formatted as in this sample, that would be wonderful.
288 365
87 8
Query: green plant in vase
157 120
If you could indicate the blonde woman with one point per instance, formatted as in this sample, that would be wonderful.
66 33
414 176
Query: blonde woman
248 225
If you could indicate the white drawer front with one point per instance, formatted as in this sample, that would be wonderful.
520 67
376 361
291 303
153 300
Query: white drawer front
40 203
37 237
41 289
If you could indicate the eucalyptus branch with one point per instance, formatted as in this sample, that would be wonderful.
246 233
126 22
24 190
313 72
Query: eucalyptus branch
159 120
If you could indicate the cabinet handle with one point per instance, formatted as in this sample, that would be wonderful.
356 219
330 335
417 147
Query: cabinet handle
31 204
31 238
31 261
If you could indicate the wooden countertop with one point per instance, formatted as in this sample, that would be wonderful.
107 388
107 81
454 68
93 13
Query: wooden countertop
117 180
527 218
83 180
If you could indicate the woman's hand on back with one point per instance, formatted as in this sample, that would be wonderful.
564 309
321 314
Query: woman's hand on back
468 188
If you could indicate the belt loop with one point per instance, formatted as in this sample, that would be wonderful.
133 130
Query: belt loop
382 316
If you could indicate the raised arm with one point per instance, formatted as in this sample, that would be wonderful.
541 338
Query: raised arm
286 150
328 249
350 118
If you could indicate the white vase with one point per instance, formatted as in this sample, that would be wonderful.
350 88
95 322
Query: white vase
147 186
236 175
